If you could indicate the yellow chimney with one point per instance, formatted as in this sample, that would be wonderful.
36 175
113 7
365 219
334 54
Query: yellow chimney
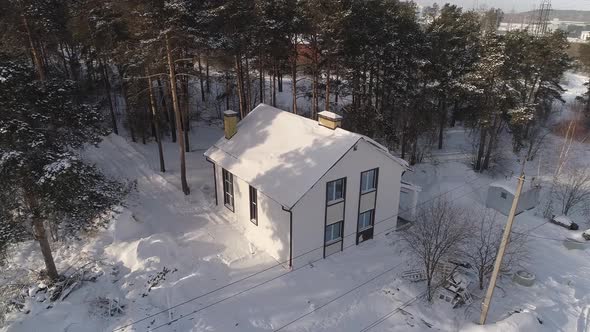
329 119
230 123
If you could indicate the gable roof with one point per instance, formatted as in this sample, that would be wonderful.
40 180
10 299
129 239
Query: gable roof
282 154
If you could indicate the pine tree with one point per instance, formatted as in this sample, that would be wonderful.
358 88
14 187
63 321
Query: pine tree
41 127
452 37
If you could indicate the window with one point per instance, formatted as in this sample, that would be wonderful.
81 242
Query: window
335 190
334 232
366 220
369 180
503 195
228 189
253 206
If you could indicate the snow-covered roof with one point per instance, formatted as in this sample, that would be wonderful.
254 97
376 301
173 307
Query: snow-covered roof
283 154
510 185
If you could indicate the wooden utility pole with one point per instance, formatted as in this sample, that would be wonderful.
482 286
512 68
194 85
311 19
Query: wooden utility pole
505 238
179 128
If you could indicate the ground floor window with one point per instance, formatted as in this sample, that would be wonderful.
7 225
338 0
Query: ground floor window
253 206
333 232
228 189
366 220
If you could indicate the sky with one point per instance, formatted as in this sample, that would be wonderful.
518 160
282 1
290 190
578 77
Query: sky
517 5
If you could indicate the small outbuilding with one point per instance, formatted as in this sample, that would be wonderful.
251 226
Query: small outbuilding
501 194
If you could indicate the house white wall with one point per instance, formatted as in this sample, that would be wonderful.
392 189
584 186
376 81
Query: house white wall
501 199
272 232
309 212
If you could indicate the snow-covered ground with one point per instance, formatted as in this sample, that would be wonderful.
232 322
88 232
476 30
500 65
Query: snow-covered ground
176 264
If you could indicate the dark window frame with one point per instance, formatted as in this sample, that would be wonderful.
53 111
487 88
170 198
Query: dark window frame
338 239
372 220
330 203
375 180
343 192
253 193
374 209
228 182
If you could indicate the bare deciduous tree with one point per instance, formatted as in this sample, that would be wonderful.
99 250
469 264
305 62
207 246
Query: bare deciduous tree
437 234
572 190
481 249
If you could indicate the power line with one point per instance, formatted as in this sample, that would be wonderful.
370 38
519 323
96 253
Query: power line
403 306
281 275
393 312
475 179
284 262
339 296
396 310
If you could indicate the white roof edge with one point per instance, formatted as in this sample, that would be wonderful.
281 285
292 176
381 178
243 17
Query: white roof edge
385 151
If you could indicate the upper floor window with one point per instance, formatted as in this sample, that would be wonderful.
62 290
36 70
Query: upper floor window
369 180
336 190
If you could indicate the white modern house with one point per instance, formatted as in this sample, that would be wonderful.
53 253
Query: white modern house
585 36
302 189
501 194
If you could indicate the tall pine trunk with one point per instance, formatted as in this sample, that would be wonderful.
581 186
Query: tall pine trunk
208 79
227 90
337 87
261 77
314 88
239 78
130 121
156 121
248 87
172 75
201 79
185 114
480 150
442 122
107 88
35 53
167 111
490 147
294 81
327 107
274 83
41 236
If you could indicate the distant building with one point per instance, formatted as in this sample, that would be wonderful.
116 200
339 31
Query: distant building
585 36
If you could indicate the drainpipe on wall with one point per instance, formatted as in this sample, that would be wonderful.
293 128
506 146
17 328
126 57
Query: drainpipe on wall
214 179
290 236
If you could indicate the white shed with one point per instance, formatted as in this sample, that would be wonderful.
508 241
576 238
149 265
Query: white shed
302 189
501 195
